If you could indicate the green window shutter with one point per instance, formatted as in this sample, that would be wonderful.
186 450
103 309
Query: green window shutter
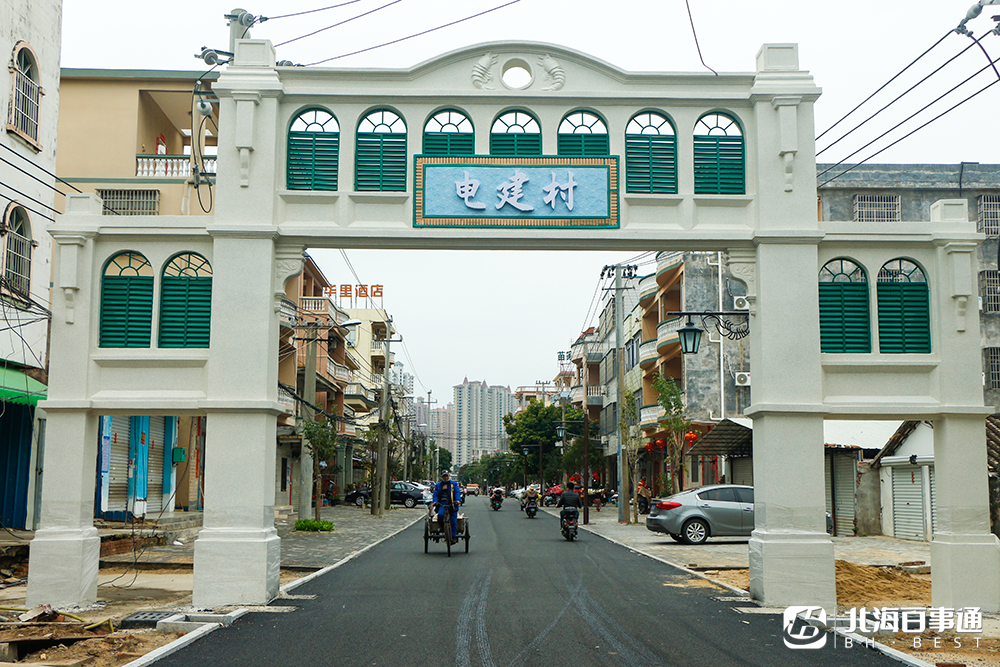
312 160
185 312
650 164
126 311
449 143
583 145
719 165
513 144
844 325
381 162
903 318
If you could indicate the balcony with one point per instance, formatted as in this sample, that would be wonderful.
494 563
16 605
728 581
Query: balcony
317 304
665 261
576 394
357 395
169 166
288 313
649 415
666 331
338 371
647 353
377 380
647 290
595 394
348 429
286 399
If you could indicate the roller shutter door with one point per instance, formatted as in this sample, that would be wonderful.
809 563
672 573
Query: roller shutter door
930 469
118 470
743 470
154 488
908 503
843 487
828 483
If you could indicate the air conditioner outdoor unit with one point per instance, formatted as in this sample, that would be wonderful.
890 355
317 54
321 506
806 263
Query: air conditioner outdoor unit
742 379
741 303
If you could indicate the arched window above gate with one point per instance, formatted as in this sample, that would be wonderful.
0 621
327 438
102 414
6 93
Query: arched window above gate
903 308
380 162
449 132
844 322
583 134
516 133
186 302
313 151
719 162
650 155
126 301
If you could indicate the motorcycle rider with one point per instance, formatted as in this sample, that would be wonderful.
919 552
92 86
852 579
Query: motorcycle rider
497 495
530 497
447 496
569 501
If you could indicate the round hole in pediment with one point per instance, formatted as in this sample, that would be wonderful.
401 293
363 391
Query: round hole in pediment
516 74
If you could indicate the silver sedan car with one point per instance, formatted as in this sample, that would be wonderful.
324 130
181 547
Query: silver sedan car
723 510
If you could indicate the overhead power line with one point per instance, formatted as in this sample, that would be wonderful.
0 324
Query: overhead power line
340 23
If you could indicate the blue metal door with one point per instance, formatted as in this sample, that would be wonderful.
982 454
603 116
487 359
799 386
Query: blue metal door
15 459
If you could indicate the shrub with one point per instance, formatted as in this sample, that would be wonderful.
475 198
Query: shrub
314 525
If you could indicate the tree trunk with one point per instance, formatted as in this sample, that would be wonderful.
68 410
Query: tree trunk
318 483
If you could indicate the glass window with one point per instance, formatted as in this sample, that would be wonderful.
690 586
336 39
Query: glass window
515 133
744 494
25 94
582 134
17 256
449 133
381 153
726 495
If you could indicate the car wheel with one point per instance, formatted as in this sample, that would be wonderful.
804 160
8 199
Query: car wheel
360 501
676 537
695 531
409 503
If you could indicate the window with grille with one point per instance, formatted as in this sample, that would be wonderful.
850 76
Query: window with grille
17 255
903 309
990 290
989 215
130 202
126 301
380 163
186 302
449 133
313 151
25 93
718 156
993 368
650 155
516 133
844 324
582 134
877 208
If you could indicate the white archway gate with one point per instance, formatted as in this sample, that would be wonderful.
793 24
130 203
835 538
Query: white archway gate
264 219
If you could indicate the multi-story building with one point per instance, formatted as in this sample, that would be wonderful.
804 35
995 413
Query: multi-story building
479 412
441 428
30 98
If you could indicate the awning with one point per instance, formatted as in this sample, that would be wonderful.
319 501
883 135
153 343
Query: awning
16 387
727 439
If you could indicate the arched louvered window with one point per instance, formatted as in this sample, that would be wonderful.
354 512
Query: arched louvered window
126 301
582 134
381 153
719 167
516 133
650 155
449 133
844 323
186 302
903 309
25 95
313 151
17 252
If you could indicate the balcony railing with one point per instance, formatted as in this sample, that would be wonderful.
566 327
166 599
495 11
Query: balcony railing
647 288
288 312
647 350
357 389
378 380
170 166
576 394
348 429
315 304
339 371
666 260
286 399
595 394
667 329
649 414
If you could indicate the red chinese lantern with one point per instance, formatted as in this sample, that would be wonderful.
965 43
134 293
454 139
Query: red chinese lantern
661 444
649 446
690 436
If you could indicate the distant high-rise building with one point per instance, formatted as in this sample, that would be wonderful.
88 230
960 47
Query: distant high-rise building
479 411
441 427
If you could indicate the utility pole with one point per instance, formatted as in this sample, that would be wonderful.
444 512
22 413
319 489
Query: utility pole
541 471
586 433
309 463
432 474
622 505
381 468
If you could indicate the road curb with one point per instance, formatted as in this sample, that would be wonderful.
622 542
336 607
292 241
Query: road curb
174 646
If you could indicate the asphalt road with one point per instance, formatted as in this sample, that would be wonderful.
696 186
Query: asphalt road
521 596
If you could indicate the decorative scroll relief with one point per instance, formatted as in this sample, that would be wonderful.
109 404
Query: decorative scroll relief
482 71
553 72
289 262
742 264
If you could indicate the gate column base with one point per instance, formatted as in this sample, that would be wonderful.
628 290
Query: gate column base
235 567
63 565
792 569
964 571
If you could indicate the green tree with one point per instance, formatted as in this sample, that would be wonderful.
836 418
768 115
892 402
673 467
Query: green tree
632 450
671 398
321 439
535 427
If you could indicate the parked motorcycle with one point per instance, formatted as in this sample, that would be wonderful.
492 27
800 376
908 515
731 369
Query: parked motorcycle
531 508
568 525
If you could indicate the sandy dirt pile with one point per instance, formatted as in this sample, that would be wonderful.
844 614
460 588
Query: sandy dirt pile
104 650
867 586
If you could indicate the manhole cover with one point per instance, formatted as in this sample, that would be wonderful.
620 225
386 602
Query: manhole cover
144 619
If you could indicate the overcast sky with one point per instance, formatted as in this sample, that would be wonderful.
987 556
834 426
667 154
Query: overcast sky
503 316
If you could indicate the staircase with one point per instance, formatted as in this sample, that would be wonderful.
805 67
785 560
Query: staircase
285 513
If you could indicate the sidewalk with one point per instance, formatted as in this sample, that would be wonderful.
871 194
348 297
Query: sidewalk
730 552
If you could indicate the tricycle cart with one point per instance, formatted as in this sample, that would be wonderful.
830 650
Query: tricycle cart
434 530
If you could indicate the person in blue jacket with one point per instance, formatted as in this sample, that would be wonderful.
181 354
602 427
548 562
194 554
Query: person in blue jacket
448 497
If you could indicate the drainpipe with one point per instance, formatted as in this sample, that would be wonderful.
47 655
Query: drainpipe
722 367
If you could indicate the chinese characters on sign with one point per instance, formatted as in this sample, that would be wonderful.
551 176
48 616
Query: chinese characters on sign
915 619
353 293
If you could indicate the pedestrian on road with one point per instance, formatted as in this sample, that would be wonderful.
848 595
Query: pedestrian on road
448 498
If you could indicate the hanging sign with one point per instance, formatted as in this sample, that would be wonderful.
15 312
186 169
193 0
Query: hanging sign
538 192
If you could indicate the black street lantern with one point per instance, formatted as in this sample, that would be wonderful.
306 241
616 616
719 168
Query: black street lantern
560 432
690 337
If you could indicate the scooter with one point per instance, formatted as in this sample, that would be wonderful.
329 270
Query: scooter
495 503
531 508
568 525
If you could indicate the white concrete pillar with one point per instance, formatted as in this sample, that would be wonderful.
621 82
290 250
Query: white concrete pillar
64 554
965 555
